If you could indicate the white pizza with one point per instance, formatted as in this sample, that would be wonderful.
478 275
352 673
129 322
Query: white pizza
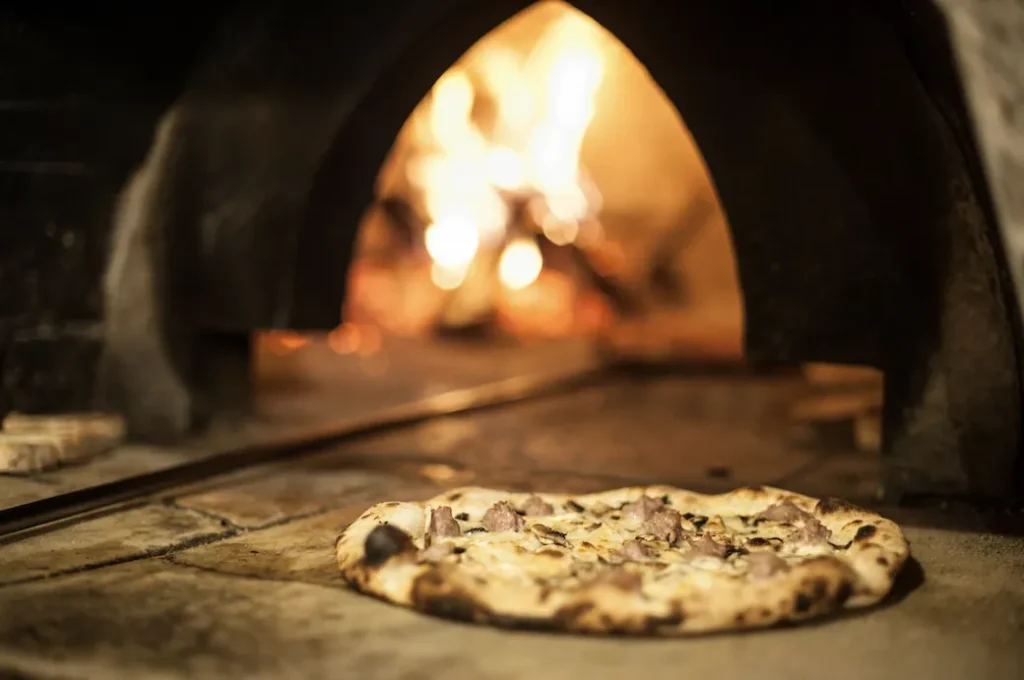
644 560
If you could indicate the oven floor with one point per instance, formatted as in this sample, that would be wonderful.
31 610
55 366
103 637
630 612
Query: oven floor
237 579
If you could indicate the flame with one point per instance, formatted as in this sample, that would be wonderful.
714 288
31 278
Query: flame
544 102
520 264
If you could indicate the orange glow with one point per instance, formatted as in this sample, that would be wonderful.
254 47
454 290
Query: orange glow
520 264
544 103
344 339
282 343
371 341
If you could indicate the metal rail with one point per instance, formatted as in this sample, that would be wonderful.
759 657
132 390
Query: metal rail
50 513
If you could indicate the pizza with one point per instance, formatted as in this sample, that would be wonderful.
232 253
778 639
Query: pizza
644 560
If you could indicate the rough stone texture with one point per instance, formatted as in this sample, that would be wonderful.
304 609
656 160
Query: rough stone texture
134 533
988 37
238 578
673 430
268 499
283 614
313 387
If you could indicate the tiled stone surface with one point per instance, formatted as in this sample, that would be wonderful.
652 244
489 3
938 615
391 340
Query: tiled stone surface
300 551
265 498
290 618
238 580
132 533
313 387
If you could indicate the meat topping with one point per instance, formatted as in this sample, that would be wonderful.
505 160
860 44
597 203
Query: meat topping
635 550
442 524
708 547
786 511
501 517
765 564
436 552
641 508
665 524
810 530
537 506
813 531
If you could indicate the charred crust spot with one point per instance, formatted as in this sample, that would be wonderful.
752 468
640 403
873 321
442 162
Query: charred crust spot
551 552
522 622
699 521
462 516
616 516
452 607
521 513
731 550
476 530
455 496
865 532
594 526
744 518
432 594
458 550
741 618
843 593
857 522
574 506
753 489
766 613
758 541
666 500
801 604
385 542
882 561
673 619
827 506
588 545
819 589
391 504
843 546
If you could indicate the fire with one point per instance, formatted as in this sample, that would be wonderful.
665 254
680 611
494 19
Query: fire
471 176
520 264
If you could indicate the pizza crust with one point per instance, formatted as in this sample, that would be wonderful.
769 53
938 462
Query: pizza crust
521 589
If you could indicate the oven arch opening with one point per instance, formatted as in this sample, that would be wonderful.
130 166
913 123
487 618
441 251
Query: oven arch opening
852 206
544 184
855 216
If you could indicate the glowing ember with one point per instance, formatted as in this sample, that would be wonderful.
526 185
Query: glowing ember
520 264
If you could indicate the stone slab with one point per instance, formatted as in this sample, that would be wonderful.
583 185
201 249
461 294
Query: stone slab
289 618
134 533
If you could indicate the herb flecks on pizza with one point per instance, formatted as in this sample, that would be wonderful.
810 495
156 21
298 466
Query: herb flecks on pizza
654 560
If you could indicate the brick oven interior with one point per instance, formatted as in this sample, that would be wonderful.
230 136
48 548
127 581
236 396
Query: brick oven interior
270 265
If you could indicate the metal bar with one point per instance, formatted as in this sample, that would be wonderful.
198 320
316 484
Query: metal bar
44 515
